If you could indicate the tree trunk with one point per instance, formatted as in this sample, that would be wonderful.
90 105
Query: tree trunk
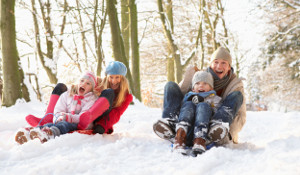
49 38
117 41
79 20
11 75
170 60
135 52
98 37
171 43
125 25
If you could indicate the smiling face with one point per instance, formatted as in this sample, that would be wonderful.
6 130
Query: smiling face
220 67
84 86
114 81
202 86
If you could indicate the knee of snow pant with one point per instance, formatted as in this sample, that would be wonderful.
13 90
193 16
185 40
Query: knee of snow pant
229 108
59 89
172 100
109 94
187 113
203 113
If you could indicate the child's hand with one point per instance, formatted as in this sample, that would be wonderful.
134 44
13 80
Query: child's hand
197 99
62 117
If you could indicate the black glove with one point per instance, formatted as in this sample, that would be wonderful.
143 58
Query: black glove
98 129
195 99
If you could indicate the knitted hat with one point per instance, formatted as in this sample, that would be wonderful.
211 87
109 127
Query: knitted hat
116 68
221 53
89 75
204 77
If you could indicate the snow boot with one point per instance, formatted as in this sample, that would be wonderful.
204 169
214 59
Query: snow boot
98 108
180 139
199 146
48 118
22 135
165 129
218 131
43 134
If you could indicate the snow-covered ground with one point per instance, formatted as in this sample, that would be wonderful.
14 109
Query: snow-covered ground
269 144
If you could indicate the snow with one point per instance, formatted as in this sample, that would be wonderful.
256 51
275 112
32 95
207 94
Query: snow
269 144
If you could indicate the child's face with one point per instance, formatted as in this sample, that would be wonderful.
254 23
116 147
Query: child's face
114 81
202 86
84 86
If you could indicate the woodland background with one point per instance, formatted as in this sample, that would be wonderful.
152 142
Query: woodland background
44 42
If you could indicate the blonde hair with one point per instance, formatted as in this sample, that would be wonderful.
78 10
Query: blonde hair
96 90
123 90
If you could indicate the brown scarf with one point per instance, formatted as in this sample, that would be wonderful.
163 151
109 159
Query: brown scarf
221 84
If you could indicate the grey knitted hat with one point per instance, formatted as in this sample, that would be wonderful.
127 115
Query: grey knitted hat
203 76
221 53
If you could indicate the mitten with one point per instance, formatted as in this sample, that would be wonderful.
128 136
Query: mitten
98 129
197 99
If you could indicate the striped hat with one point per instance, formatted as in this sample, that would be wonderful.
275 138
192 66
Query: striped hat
89 75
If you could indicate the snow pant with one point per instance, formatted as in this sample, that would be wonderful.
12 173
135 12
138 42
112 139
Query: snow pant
172 101
229 108
60 128
194 118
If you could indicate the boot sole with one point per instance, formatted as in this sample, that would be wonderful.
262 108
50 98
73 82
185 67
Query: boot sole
21 138
36 135
164 131
217 134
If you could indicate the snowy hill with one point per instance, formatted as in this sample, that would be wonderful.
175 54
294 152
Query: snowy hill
269 144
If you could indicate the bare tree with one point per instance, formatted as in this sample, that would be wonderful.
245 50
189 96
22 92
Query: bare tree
48 56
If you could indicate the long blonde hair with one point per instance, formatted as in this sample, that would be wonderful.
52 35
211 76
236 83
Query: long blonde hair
123 90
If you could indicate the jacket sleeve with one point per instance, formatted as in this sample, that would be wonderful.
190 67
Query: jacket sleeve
186 84
61 105
115 115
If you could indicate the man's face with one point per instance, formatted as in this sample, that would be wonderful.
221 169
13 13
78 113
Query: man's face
220 67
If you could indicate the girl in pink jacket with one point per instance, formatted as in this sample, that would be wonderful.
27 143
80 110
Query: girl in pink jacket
68 109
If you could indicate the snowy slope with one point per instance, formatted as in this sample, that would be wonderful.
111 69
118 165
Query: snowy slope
269 144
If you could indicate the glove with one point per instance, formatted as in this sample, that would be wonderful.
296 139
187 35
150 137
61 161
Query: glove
197 99
98 129
63 117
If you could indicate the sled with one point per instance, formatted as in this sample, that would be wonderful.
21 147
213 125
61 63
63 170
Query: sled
88 132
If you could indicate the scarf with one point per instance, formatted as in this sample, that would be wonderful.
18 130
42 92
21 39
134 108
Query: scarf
220 84
76 105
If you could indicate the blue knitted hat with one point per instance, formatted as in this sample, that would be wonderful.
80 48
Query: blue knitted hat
116 68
